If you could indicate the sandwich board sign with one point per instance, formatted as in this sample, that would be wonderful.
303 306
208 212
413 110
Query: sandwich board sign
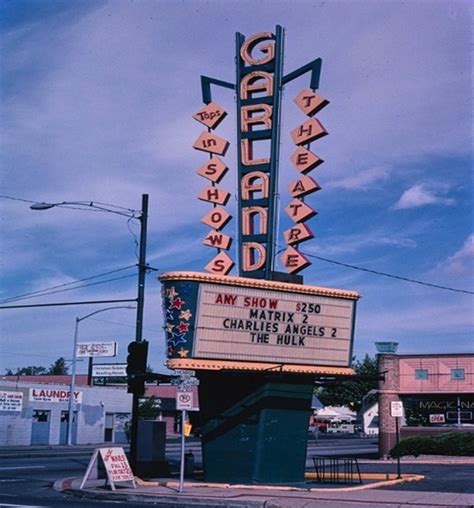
116 465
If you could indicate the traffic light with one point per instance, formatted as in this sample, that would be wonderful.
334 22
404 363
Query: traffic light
136 366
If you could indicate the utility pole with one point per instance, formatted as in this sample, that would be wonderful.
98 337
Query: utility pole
139 325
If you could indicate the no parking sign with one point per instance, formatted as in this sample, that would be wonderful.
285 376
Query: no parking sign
184 401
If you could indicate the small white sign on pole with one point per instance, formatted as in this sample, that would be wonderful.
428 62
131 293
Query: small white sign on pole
88 349
116 466
396 409
109 370
184 401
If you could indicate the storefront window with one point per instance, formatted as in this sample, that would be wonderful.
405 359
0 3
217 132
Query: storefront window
40 416
421 373
457 373
435 410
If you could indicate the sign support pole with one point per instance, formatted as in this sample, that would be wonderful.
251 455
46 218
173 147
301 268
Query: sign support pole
181 468
398 455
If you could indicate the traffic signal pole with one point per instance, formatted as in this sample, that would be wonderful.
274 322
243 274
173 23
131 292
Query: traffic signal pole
139 325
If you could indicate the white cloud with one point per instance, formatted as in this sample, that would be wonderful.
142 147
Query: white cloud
362 180
462 262
420 195
357 242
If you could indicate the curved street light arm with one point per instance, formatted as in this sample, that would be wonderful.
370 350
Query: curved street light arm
103 207
103 310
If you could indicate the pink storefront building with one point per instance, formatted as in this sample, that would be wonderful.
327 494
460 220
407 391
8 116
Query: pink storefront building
437 393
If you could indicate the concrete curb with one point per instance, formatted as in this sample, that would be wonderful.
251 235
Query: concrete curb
165 493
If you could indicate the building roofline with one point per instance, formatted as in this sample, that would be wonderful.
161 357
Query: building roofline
425 355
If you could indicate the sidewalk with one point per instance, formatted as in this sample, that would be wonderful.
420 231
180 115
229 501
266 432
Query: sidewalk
165 493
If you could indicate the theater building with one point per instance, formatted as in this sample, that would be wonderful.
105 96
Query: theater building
437 393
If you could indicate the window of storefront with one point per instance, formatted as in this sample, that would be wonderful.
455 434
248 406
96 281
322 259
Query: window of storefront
445 410
421 373
457 373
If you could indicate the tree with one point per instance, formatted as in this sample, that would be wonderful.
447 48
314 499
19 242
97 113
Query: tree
58 367
31 370
149 407
352 392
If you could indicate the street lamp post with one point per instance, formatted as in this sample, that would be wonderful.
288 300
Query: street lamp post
72 386
142 268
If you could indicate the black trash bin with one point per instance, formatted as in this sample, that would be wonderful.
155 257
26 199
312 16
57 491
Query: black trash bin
151 443
189 464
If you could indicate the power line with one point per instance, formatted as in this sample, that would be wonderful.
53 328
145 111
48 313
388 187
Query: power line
123 324
78 287
62 304
406 279
40 291
46 292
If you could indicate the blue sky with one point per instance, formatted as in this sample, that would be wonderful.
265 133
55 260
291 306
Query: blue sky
97 104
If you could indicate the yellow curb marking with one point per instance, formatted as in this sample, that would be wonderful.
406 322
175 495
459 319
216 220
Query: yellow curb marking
387 479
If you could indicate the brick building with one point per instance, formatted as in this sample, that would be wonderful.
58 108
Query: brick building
437 392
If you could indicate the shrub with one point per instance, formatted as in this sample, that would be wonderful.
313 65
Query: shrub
453 443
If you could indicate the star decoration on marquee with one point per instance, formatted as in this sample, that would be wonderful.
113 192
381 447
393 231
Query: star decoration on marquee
177 340
185 314
177 317
177 303
183 353
183 327
171 293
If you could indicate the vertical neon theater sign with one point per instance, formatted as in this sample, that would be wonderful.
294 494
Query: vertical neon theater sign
259 86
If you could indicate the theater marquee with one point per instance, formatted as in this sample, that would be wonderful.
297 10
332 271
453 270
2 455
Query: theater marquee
253 322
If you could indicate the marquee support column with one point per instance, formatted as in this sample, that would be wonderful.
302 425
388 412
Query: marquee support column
254 426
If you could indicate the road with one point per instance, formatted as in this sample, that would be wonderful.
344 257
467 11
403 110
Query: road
27 481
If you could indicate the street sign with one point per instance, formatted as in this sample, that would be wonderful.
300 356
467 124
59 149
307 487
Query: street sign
184 401
185 381
396 408
109 370
185 373
88 349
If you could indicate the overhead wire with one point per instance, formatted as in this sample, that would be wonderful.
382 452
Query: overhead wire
339 263
398 277
40 292
72 289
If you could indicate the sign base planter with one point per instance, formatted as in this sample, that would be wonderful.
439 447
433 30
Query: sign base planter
254 426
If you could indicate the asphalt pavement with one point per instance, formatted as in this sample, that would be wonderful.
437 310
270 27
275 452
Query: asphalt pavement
427 481
165 493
